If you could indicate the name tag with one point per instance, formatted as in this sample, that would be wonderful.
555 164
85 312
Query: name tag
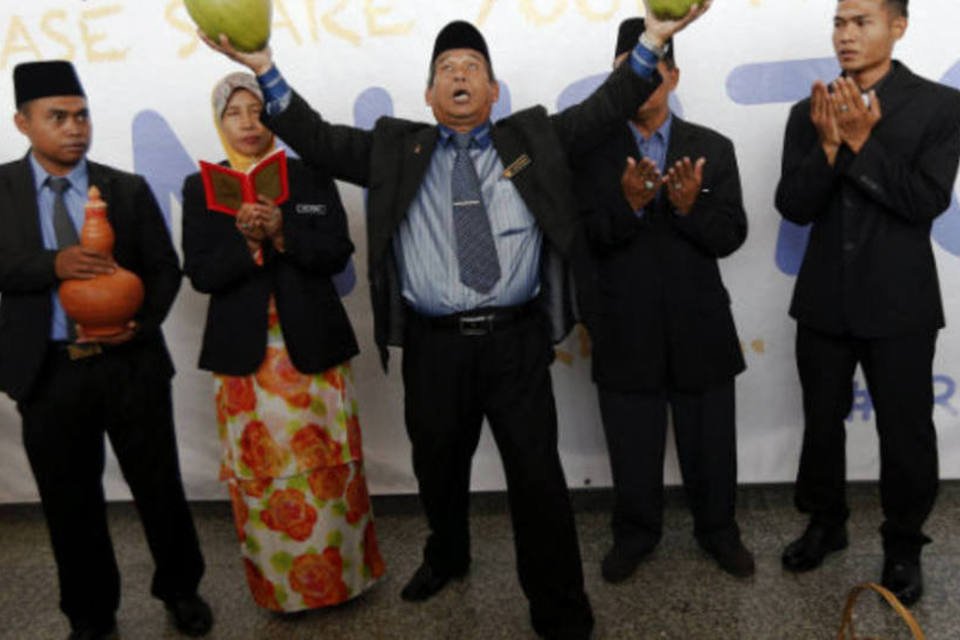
517 166
312 209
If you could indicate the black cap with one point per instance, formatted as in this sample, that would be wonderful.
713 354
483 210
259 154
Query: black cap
630 30
32 80
460 35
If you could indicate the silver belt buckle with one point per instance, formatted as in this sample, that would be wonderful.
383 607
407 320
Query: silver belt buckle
476 325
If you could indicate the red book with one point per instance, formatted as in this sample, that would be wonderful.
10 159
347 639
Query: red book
227 189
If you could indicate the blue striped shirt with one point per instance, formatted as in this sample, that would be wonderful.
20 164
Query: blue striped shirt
425 243
76 199
654 147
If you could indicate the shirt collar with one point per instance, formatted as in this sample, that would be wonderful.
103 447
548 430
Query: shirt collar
77 176
481 135
663 131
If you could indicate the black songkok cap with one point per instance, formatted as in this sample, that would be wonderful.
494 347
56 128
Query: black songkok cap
460 35
630 30
32 80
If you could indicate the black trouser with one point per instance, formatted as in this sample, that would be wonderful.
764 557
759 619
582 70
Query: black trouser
704 423
899 374
451 382
72 405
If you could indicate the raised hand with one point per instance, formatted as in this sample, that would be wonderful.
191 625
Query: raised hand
640 182
75 262
855 120
683 181
822 116
662 30
258 61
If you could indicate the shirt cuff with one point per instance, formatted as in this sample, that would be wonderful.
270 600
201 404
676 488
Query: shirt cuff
276 92
643 61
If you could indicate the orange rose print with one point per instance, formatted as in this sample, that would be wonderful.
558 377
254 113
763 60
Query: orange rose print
358 500
277 375
262 589
318 577
313 447
287 511
353 437
371 552
255 488
328 483
334 378
260 452
240 511
236 396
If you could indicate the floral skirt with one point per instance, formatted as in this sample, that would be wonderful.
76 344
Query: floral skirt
292 460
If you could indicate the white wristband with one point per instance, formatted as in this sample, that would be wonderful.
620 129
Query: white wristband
657 50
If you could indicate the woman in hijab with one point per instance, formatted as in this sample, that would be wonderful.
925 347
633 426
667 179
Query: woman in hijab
278 341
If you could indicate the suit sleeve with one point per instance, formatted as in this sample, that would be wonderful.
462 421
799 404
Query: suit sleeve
717 223
807 181
215 254
582 126
608 220
160 266
26 271
916 190
340 151
323 247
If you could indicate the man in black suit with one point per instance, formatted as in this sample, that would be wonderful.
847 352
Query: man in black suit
468 224
664 335
869 162
70 393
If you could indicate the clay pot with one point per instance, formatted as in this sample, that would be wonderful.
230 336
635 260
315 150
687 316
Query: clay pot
103 305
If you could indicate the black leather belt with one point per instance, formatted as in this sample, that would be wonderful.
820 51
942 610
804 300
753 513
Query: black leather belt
76 351
479 322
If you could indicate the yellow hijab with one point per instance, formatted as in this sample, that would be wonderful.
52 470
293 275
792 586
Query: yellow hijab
222 93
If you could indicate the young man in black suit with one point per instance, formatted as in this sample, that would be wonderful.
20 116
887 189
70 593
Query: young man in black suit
473 295
869 162
664 335
69 394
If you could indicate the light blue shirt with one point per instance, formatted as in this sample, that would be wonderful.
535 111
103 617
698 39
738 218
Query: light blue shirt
655 147
425 243
76 199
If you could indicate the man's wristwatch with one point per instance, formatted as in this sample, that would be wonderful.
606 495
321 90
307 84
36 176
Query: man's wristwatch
657 50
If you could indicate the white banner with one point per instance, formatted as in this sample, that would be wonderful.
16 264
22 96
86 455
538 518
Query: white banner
148 82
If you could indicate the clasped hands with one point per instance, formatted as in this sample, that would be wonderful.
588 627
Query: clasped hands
78 263
642 180
841 116
260 221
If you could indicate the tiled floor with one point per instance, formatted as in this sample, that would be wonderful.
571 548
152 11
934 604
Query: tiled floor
678 593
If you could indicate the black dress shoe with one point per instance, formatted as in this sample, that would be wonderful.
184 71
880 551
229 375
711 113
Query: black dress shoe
904 579
623 559
191 615
104 632
731 555
426 582
808 551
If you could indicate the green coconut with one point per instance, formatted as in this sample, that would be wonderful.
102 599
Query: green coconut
671 9
245 22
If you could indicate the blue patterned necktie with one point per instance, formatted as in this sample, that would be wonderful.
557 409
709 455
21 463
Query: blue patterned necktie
476 253
63 229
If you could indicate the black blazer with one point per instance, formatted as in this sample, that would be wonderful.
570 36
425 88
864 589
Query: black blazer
869 267
664 319
27 274
315 326
393 158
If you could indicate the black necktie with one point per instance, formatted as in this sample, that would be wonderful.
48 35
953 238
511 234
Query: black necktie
476 253
63 229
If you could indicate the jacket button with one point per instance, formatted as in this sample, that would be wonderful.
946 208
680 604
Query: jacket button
849 245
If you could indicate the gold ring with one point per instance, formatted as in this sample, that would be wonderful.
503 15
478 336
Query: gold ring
844 107
678 186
